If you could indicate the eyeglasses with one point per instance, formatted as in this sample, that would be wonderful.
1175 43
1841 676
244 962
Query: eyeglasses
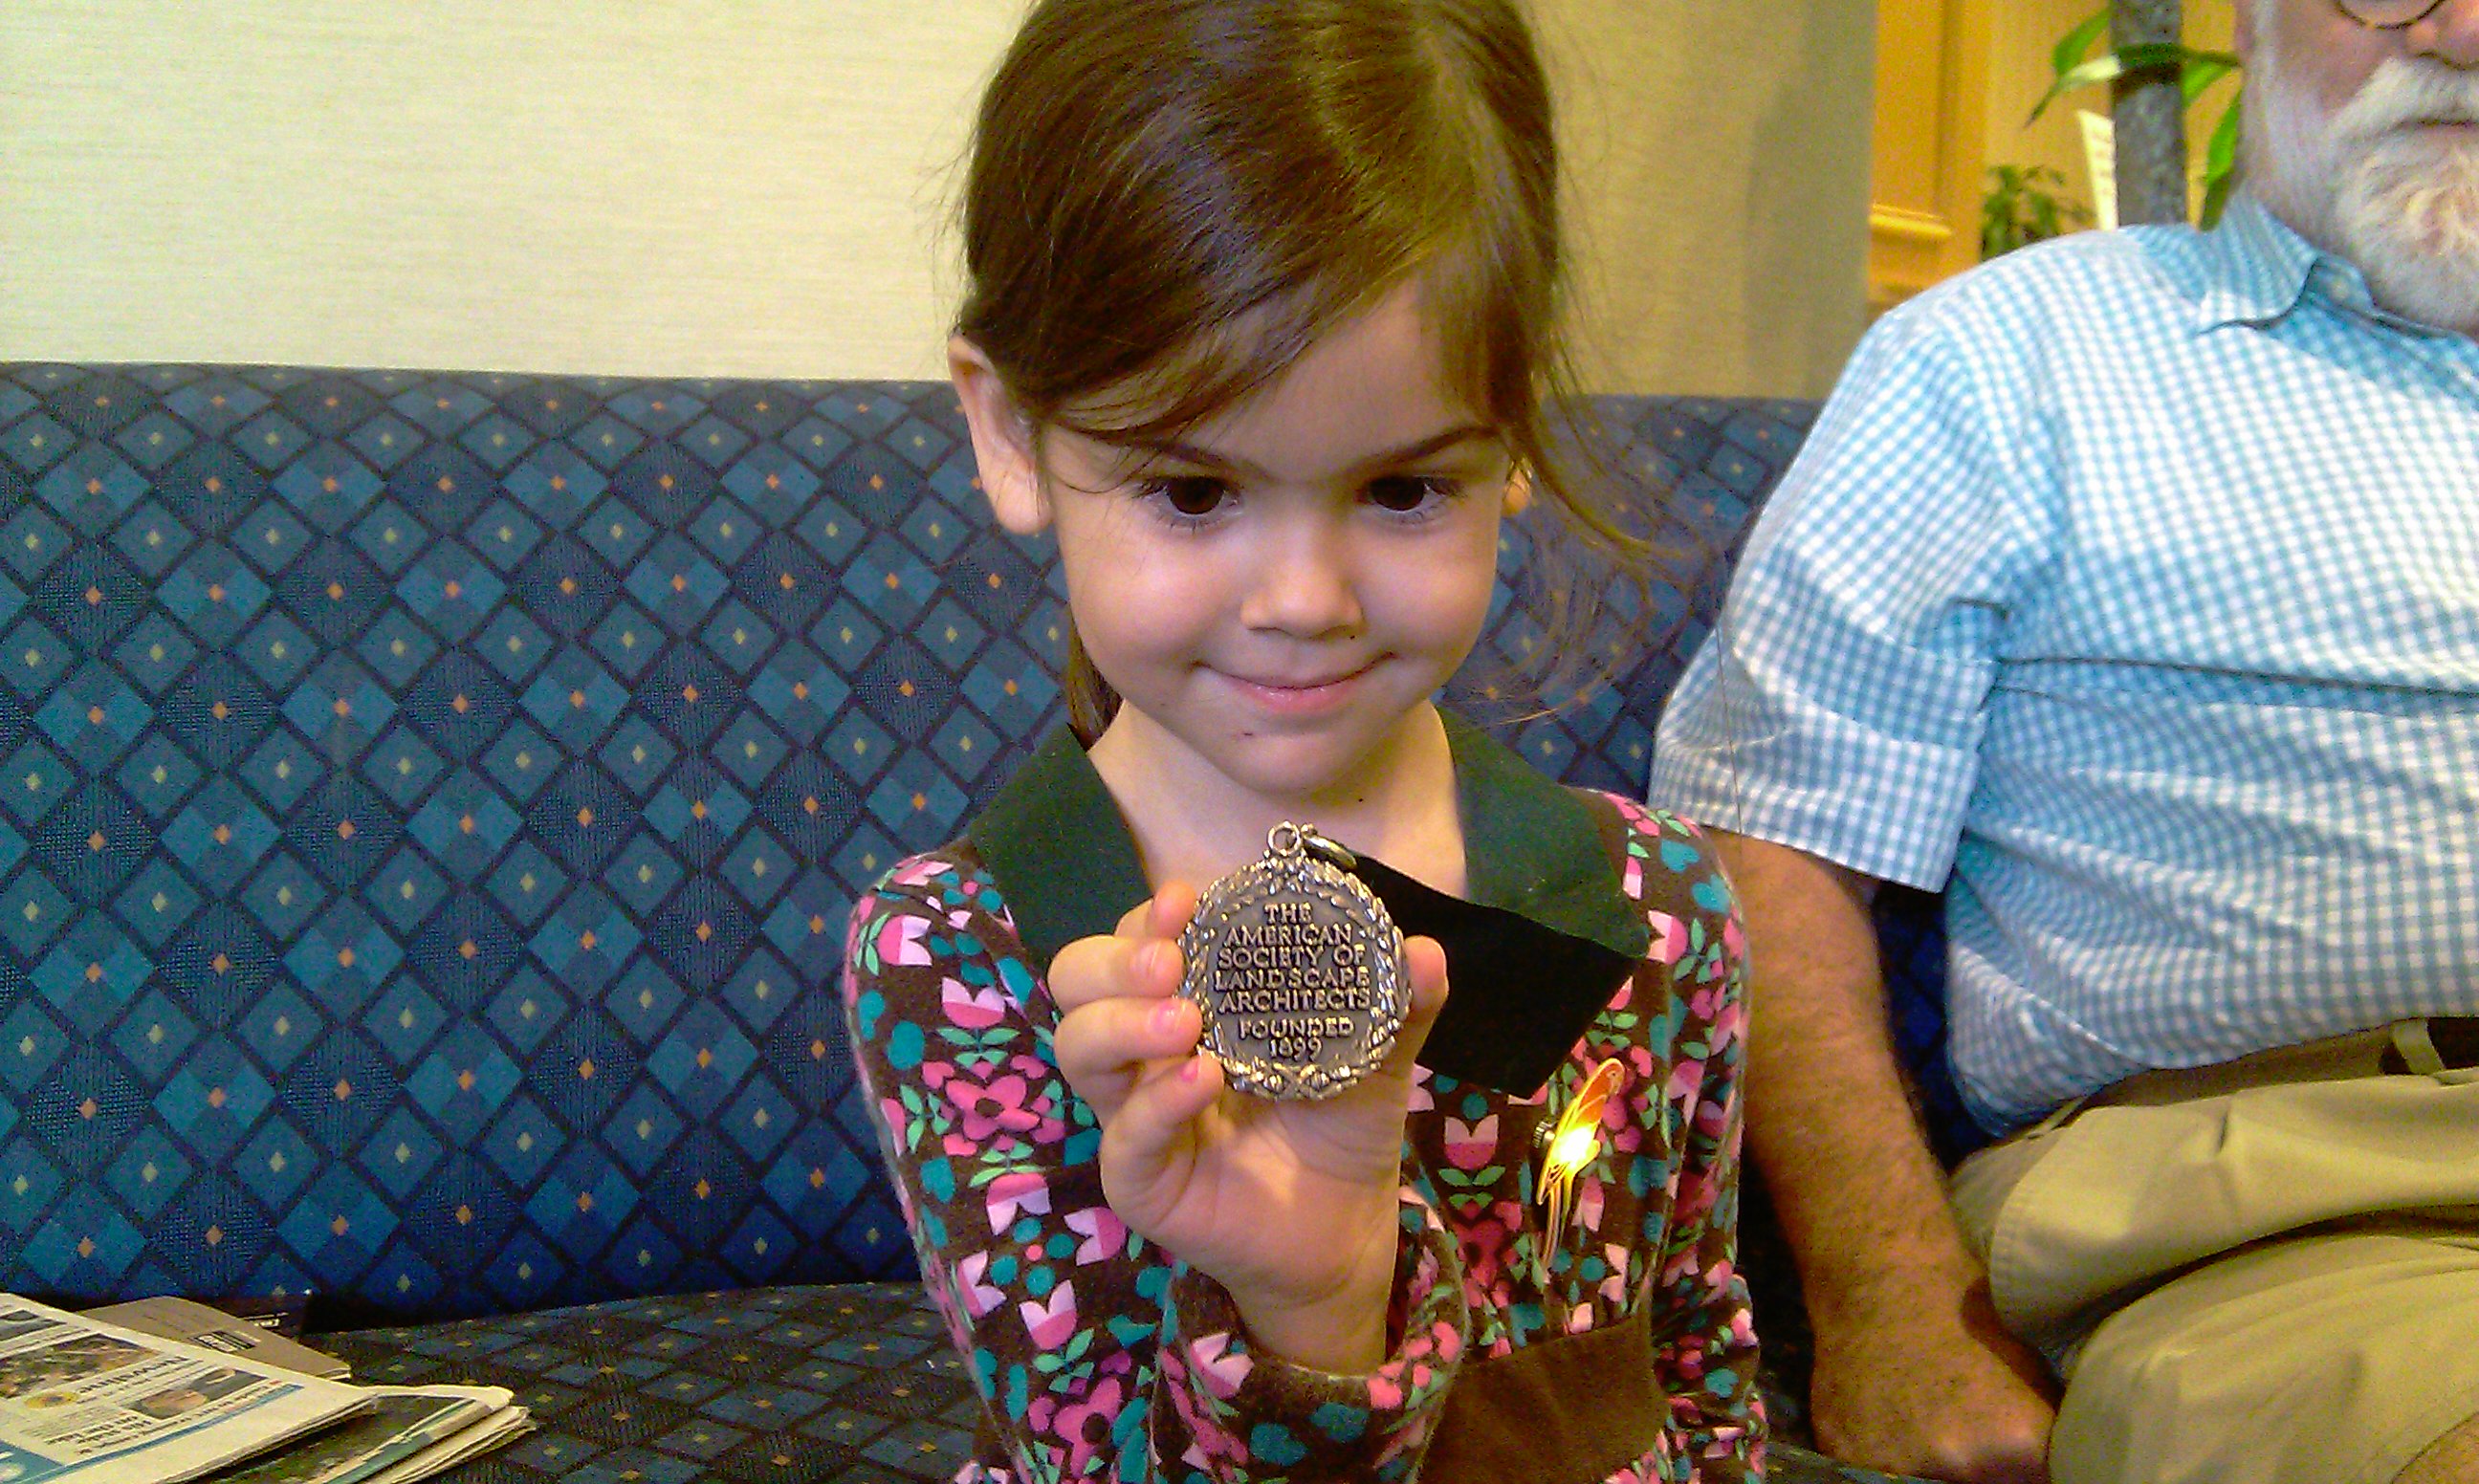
2387 14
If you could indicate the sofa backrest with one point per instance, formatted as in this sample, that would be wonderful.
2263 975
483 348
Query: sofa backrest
429 807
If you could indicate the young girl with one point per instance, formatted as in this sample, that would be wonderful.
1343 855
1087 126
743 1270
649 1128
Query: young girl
1257 323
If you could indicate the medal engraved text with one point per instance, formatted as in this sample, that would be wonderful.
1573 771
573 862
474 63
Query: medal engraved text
1294 979
1297 969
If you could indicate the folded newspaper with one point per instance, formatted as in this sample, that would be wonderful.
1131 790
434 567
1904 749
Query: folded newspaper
216 1329
95 1402
411 1432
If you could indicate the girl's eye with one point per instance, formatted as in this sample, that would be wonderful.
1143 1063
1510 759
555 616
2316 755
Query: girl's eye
1189 497
1410 494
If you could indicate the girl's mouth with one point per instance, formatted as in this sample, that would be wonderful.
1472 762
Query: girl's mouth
1301 696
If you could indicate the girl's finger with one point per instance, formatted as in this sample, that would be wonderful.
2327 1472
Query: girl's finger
1139 957
1161 915
1106 1047
1093 969
1149 1149
1424 966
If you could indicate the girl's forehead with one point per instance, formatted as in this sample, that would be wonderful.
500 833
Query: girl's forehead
1382 379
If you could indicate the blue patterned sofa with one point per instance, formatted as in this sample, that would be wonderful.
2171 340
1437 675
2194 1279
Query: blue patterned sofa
428 810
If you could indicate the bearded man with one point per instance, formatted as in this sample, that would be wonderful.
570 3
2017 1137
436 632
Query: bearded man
2127 589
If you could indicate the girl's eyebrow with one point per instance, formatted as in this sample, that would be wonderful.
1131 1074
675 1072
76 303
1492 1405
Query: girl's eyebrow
1389 458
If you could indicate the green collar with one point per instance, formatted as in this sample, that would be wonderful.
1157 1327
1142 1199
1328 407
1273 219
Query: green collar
1066 865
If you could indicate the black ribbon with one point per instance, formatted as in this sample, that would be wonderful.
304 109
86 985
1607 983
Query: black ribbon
1519 994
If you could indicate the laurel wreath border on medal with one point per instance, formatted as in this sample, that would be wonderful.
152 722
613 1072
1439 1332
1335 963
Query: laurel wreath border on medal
1292 861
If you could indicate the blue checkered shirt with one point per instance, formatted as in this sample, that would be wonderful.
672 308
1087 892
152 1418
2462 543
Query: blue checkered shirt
2133 580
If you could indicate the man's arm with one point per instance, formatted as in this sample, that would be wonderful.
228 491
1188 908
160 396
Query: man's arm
1913 1372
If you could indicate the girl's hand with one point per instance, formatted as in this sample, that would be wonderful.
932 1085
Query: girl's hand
1292 1205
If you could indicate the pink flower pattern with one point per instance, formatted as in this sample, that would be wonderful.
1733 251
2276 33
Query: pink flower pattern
1098 1354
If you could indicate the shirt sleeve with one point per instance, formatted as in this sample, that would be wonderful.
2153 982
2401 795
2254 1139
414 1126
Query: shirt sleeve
1704 1341
1236 1416
990 1154
1095 1355
1839 706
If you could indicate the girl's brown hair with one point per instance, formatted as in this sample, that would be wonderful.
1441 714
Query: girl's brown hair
1169 201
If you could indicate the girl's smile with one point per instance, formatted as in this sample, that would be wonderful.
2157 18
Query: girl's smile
1299 697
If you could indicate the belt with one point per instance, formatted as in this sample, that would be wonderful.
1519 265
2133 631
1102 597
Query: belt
2426 1045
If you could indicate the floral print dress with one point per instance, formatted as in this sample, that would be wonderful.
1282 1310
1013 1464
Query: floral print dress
1100 1356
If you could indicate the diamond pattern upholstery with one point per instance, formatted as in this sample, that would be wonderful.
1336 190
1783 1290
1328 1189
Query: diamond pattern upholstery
854 1383
429 809
429 804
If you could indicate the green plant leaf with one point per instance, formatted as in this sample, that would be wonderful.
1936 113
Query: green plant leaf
2100 70
2074 43
2112 65
2220 163
2171 53
2018 211
2221 155
2201 74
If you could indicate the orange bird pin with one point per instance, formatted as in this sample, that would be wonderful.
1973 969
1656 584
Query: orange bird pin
1572 1142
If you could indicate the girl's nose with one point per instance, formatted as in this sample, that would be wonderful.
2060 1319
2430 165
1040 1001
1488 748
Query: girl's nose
1301 582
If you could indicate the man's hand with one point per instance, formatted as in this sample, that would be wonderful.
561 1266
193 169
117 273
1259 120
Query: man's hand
1936 1390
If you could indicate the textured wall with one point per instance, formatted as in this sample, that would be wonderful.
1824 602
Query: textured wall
696 186
503 184
1721 159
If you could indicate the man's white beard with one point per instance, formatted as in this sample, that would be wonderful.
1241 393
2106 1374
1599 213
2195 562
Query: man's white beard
2400 203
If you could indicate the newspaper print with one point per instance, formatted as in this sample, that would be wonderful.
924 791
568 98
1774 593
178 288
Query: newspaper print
101 1404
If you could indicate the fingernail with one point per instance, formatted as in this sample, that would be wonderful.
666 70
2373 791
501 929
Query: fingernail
1166 1014
1193 1070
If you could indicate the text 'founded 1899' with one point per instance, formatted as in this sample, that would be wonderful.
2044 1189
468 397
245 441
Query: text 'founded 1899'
1293 980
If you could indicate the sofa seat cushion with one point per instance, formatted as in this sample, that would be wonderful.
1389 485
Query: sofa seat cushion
851 1382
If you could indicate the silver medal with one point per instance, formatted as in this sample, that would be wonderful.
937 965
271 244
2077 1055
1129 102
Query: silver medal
1297 969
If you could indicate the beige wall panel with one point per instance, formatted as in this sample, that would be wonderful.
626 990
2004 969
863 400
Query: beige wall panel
1929 117
675 187
1724 162
759 186
1721 155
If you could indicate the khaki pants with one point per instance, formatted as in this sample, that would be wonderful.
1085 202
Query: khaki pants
2275 1283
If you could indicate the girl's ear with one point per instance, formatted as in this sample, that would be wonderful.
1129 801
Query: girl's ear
1518 490
1002 443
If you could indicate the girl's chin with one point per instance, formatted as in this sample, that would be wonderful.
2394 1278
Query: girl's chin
1241 770
1305 772
1322 756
